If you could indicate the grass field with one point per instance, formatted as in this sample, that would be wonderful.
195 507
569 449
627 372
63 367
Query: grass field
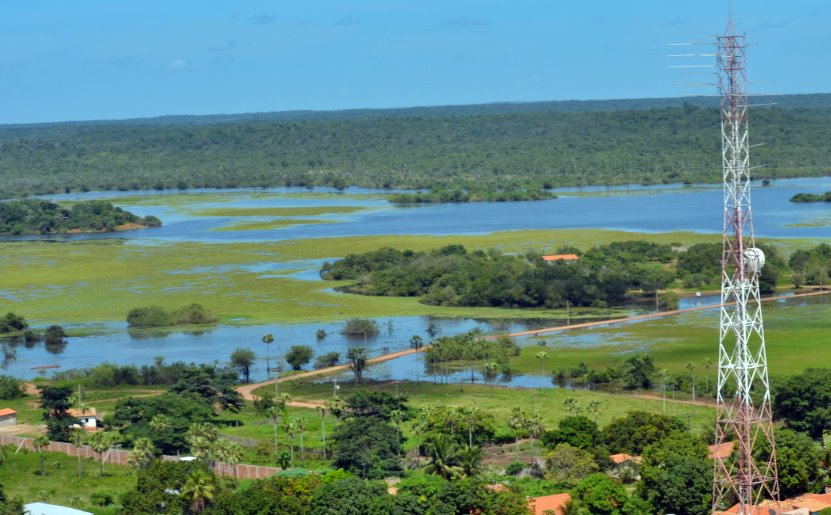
797 337
20 478
107 278
499 401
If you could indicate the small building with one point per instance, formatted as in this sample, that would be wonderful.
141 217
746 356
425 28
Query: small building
87 418
625 467
8 417
550 503
565 258
42 508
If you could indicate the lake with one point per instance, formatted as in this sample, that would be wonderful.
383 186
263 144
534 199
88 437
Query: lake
633 208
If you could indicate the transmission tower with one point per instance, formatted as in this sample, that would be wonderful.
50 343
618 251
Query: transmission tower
743 397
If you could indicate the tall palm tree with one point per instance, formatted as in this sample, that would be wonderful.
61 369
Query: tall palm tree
40 444
233 457
519 423
542 357
707 364
143 453
417 343
691 368
443 457
300 424
490 371
274 414
291 430
267 340
322 411
199 488
100 442
594 409
357 357
77 436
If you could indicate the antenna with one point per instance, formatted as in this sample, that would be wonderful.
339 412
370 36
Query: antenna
743 401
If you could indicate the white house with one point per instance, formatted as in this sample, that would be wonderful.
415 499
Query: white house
87 418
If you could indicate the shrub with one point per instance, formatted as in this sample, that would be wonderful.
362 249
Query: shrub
194 314
11 388
103 498
54 335
12 323
153 316
330 359
360 327
514 468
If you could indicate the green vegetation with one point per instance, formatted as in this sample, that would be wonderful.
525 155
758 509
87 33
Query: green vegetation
155 316
12 323
812 197
509 148
61 484
603 275
469 195
298 356
363 327
11 388
168 273
33 216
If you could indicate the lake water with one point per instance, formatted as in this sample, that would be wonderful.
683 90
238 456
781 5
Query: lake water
640 209
662 208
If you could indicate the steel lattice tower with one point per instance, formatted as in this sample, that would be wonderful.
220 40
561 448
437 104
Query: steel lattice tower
743 397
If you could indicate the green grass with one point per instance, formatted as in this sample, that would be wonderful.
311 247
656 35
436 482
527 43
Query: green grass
20 478
796 338
264 225
500 401
107 278
278 211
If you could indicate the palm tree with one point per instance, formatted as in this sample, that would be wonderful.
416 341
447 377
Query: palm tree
542 357
291 430
100 442
490 371
417 343
233 457
519 423
470 459
357 362
707 364
160 423
573 406
535 428
274 414
443 457
77 437
691 368
199 488
663 376
143 453
594 409
322 411
40 444
300 424
267 340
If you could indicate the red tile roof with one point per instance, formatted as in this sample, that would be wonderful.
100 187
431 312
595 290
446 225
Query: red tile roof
617 459
7 411
721 451
555 503
561 257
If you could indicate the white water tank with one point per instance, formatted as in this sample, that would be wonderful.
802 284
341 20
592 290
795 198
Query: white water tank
754 260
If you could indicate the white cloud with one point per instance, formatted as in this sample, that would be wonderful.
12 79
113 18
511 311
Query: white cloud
177 64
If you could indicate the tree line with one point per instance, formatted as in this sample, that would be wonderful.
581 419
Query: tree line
483 152
601 276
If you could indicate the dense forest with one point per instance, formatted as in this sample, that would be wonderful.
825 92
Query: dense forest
491 148
33 216
602 276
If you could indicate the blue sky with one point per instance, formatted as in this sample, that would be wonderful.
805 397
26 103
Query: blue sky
111 59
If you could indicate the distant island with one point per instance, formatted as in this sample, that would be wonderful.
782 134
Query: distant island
35 216
812 197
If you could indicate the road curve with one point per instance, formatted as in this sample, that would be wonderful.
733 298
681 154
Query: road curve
247 390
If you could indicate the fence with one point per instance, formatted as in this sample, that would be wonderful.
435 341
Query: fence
122 457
